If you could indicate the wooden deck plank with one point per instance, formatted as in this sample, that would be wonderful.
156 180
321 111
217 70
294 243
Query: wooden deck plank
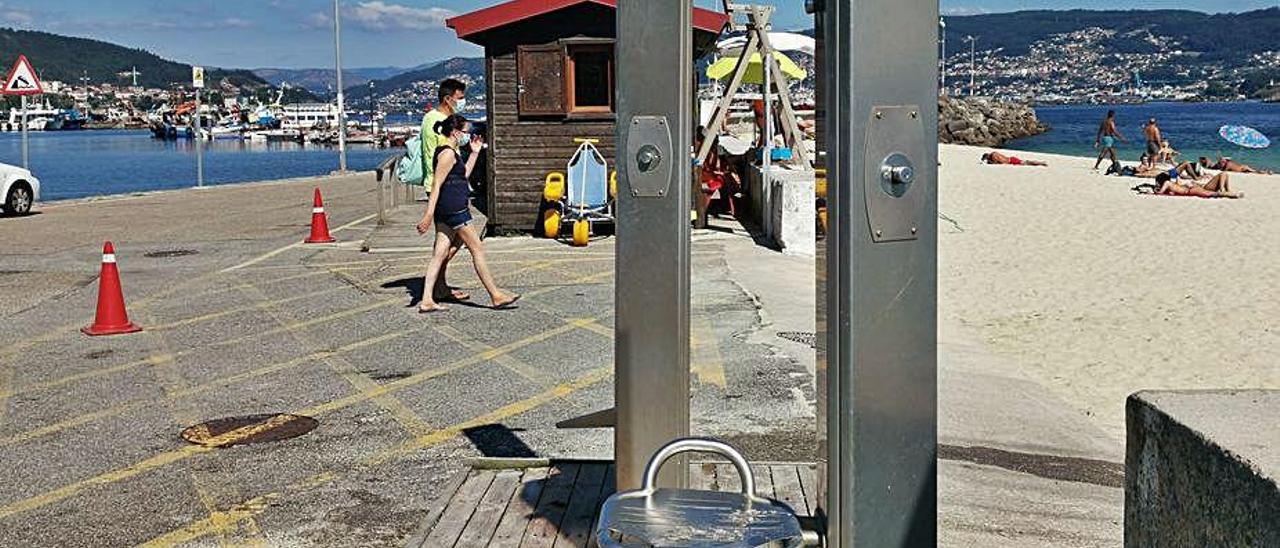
519 510
727 479
702 475
419 538
461 506
763 474
551 507
485 519
809 483
575 529
786 485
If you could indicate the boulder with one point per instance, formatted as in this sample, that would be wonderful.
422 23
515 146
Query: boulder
980 121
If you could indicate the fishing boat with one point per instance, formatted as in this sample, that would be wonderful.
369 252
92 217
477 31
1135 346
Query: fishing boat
38 118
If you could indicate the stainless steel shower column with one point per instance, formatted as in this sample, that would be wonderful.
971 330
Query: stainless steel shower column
655 105
880 63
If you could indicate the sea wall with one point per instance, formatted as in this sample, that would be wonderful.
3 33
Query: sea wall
979 121
1201 468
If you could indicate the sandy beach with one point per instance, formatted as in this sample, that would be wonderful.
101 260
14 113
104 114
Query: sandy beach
1096 291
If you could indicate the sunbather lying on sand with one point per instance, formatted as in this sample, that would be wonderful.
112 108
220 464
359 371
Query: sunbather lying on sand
1185 170
1217 187
1227 164
995 158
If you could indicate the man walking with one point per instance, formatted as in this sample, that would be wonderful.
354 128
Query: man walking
1152 132
1106 139
452 99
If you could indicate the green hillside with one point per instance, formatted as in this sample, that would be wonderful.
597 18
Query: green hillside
67 59
1223 36
468 66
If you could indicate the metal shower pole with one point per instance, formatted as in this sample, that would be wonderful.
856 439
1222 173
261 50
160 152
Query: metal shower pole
878 305
651 348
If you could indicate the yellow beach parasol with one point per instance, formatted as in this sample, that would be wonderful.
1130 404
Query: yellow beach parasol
723 68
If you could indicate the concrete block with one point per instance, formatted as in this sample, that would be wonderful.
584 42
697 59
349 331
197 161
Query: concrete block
1201 469
783 204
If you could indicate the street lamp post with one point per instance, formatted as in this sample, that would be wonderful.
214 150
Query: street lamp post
973 62
342 115
942 22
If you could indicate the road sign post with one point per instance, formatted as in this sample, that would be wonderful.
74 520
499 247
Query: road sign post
26 151
197 82
23 81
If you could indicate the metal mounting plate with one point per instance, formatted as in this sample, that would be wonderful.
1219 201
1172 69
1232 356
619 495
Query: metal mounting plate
893 213
652 179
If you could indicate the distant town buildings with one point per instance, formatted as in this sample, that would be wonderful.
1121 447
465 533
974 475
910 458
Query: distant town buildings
1085 67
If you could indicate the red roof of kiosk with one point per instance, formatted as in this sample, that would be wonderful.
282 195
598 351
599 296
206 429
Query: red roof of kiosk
509 12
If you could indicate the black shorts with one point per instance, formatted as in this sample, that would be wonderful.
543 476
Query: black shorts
1153 148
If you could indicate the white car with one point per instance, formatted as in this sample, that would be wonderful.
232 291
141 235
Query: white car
19 188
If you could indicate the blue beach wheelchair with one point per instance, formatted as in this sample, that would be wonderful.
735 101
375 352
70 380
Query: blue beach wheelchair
586 197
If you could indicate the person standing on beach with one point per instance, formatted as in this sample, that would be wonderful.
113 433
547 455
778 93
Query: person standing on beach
1106 140
452 98
1152 132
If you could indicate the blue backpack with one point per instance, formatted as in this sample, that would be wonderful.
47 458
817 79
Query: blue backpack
410 170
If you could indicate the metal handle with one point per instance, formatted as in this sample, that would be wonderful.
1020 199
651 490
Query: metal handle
699 445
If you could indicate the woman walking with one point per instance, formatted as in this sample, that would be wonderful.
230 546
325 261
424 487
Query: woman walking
448 210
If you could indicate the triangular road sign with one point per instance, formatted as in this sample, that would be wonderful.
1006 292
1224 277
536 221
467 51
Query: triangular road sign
22 79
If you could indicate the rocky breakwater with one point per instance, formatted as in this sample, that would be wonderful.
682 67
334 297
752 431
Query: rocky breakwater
979 121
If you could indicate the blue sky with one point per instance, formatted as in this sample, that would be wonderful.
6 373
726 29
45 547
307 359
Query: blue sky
297 33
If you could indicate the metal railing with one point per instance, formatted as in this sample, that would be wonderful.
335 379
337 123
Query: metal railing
389 196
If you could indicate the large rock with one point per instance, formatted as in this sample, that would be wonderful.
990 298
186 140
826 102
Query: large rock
979 121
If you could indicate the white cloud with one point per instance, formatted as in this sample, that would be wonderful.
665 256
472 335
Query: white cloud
964 10
379 15
317 21
16 17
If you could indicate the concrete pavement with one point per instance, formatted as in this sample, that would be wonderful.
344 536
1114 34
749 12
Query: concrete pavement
241 319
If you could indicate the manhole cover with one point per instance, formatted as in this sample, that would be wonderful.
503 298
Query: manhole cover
802 337
170 253
249 429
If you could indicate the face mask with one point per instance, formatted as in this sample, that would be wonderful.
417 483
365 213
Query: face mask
460 105
464 139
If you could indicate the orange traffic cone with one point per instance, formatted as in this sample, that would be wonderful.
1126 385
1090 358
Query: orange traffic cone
111 319
319 223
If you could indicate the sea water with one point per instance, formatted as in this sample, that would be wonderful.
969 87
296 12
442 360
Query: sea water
78 164
1191 128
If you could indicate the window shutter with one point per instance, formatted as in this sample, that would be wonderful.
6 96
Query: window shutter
540 72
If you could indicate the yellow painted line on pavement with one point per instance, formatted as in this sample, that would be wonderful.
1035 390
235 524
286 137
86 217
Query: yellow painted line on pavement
256 506
708 365
248 308
178 455
359 265
424 376
399 411
516 366
241 285
201 481
145 302
145 465
164 358
201 388
297 244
